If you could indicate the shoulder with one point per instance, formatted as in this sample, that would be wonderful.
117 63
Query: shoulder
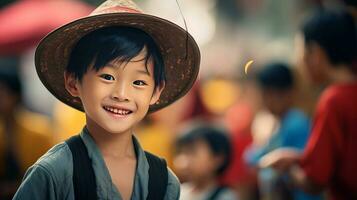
38 183
337 94
335 100
50 177
295 114
173 186
295 130
57 162
56 156
297 119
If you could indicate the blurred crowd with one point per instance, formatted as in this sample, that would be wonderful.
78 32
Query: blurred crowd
286 129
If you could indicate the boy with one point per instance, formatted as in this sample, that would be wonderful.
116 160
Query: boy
329 160
115 65
203 154
277 84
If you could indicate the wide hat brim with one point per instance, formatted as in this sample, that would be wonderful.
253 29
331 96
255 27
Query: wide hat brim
179 50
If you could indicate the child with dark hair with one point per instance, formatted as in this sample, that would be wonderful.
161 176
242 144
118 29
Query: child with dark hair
277 84
329 160
116 65
329 43
203 154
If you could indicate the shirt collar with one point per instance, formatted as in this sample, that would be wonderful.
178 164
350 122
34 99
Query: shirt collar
105 187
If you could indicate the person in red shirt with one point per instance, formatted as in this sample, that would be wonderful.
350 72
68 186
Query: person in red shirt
329 159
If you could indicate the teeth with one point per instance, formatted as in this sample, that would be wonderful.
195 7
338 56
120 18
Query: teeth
117 111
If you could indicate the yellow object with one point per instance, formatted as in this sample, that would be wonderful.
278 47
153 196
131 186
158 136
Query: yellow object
67 121
157 139
33 138
219 94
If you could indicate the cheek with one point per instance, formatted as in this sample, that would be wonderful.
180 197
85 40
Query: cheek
315 73
310 66
308 63
202 163
144 97
91 93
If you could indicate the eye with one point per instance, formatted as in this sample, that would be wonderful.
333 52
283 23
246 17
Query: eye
139 82
107 77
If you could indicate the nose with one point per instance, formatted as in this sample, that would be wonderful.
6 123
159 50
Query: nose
120 92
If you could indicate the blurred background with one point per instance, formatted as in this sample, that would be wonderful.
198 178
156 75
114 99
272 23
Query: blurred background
229 33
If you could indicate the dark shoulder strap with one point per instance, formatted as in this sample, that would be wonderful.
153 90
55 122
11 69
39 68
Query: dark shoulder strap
158 177
83 175
216 192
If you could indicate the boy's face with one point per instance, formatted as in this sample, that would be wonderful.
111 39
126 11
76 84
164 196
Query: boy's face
313 58
196 162
277 101
118 96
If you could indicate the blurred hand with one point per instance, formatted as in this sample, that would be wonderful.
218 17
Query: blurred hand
280 159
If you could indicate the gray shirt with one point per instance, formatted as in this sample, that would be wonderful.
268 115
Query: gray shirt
50 177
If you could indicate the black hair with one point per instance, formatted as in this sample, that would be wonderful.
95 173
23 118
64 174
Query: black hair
9 75
104 45
217 140
276 75
335 32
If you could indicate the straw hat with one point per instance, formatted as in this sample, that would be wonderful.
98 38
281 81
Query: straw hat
180 52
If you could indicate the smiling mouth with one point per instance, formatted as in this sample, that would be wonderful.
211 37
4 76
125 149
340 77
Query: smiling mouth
117 111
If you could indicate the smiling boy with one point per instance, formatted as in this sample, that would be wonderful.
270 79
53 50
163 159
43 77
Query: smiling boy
116 65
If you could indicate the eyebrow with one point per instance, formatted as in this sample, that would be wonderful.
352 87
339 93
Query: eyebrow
146 72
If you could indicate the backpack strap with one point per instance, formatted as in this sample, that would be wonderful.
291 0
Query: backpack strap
158 177
83 175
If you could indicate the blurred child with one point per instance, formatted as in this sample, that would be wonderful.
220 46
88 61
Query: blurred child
203 154
24 136
277 84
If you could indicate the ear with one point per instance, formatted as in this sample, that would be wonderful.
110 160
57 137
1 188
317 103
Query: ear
157 92
71 84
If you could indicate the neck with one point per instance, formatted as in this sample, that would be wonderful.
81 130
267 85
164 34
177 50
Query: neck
111 145
204 184
282 114
287 102
341 74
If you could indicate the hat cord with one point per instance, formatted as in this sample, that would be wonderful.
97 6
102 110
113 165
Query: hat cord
184 21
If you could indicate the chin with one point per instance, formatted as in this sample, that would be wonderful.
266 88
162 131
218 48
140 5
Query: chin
119 130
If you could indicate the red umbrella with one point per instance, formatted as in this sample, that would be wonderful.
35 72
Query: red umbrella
24 23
